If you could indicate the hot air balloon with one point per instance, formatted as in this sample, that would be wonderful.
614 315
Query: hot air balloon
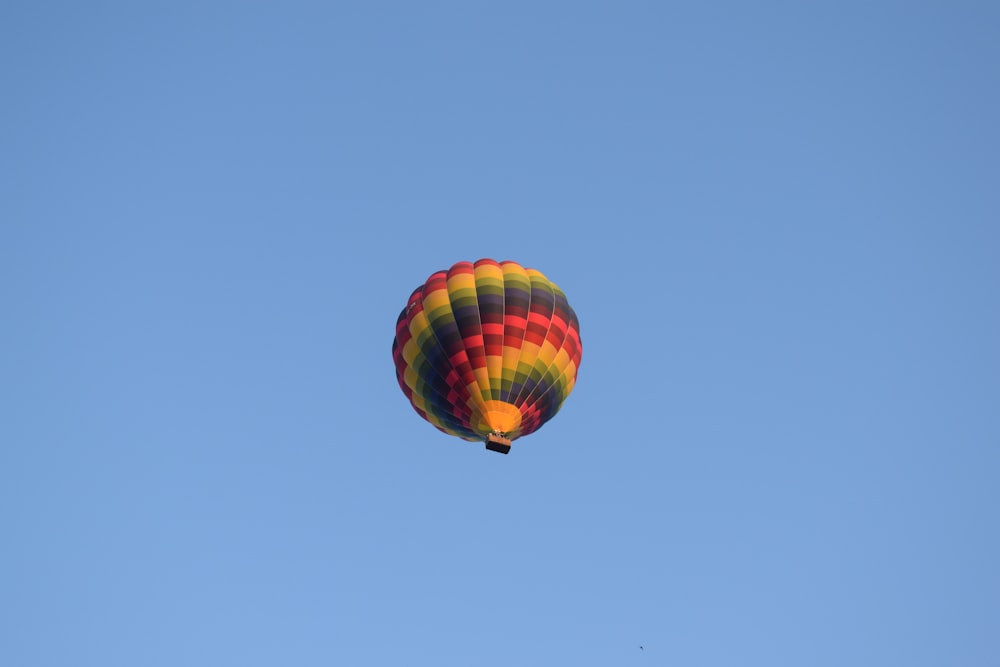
487 351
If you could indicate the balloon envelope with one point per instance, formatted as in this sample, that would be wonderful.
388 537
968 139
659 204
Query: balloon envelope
487 350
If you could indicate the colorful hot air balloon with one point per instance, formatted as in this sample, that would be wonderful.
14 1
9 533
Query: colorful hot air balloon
487 351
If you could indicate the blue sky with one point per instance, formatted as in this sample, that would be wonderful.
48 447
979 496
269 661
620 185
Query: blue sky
777 222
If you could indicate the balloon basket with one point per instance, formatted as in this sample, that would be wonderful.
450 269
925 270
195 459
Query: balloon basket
497 443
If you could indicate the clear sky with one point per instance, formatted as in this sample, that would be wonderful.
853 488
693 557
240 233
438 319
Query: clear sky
779 224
